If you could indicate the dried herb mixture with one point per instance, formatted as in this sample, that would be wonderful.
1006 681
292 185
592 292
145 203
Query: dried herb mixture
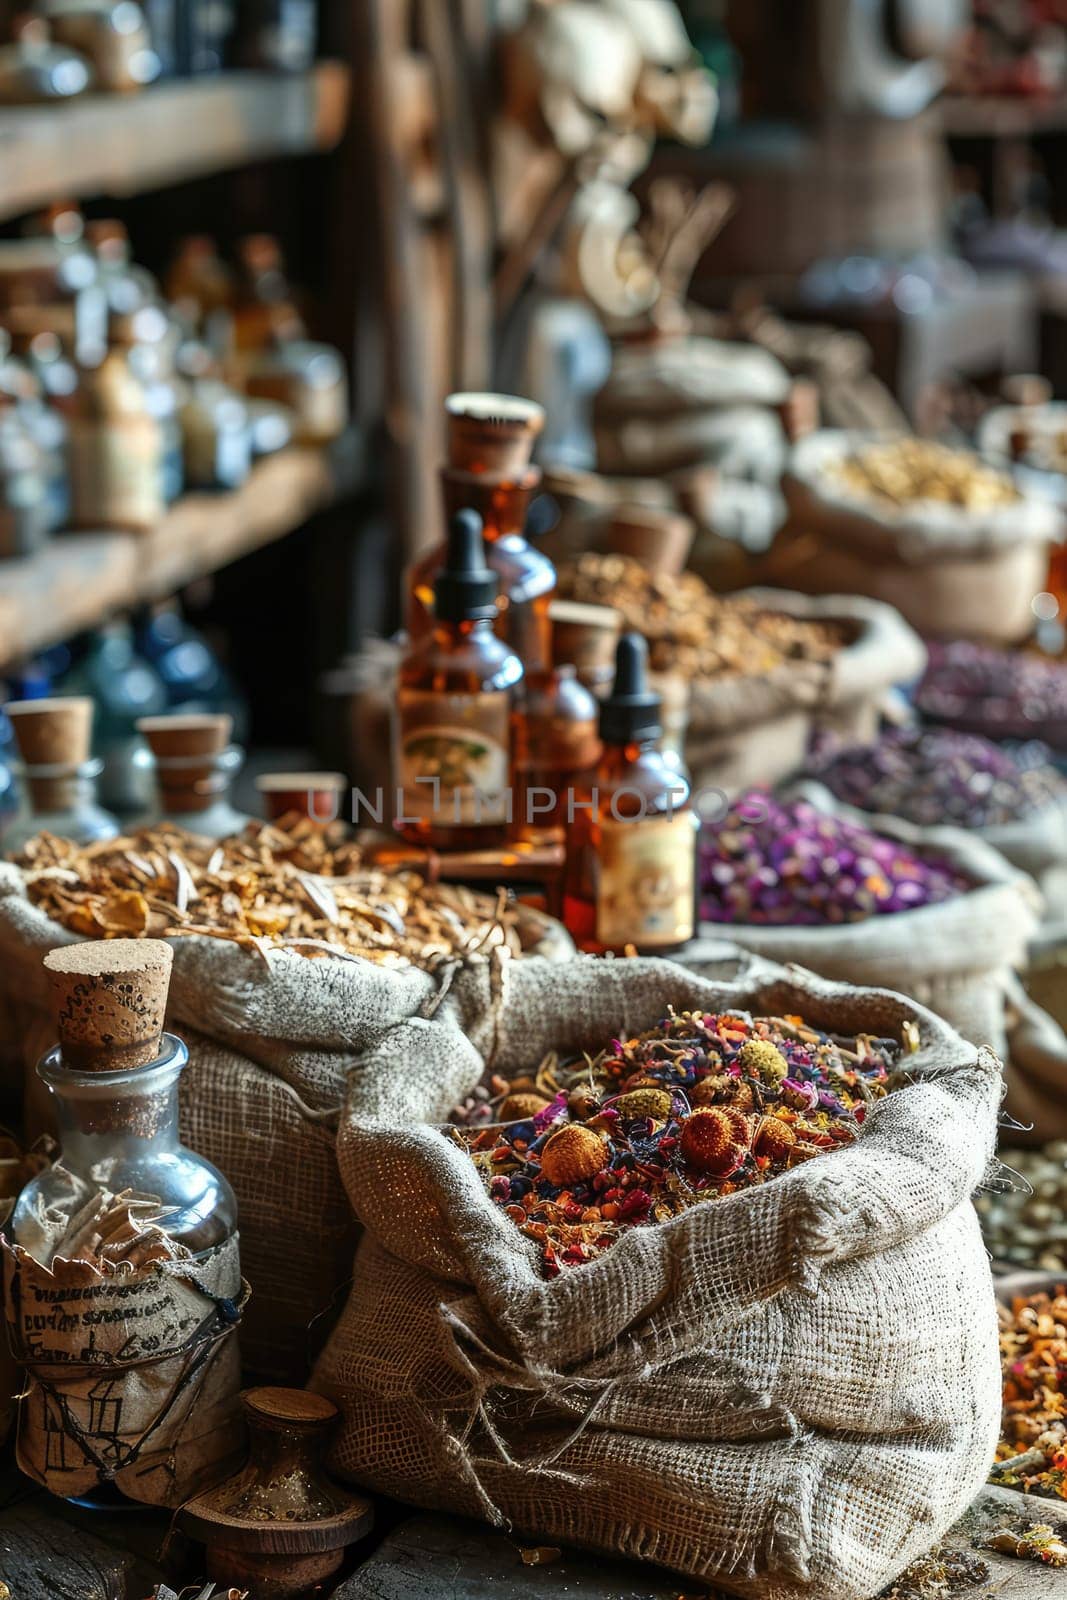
1032 1453
268 887
696 1108
690 629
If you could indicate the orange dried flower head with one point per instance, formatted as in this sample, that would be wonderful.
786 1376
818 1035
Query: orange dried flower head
709 1141
574 1153
774 1139
518 1107
761 1059
654 1103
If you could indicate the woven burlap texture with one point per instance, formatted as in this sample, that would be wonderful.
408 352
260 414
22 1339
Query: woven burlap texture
956 957
791 1392
272 1045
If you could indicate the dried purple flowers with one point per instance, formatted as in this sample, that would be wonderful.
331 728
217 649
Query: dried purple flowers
930 776
1004 694
793 865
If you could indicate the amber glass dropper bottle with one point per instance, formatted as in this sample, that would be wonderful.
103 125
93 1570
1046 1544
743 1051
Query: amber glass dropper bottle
631 851
490 442
458 728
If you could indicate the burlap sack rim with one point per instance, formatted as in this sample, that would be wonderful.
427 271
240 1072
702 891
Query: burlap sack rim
633 390
928 532
1003 896
884 650
485 1234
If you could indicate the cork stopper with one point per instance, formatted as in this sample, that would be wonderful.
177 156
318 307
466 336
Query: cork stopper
492 433
660 540
53 733
172 738
315 795
187 749
289 1409
110 997
585 637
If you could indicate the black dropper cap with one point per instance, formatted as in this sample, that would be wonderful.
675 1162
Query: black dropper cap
465 588
630 713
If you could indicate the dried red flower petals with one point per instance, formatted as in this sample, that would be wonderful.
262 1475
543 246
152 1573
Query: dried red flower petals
710 1104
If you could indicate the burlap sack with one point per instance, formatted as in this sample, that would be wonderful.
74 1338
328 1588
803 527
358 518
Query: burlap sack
957 957
1036 1071
949 571
791 1392
132 1374
272 1043
674 403
746 730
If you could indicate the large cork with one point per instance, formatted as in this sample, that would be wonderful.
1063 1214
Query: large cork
110 997
492 433
53 733
186 749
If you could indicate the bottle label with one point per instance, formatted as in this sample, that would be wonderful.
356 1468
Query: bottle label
646 876
453 752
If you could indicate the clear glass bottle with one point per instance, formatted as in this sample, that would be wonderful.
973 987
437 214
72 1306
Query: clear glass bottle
308 378
60 801
631 849
117 448
194 765
57 779
216 437
118 1131
458 725
137 1222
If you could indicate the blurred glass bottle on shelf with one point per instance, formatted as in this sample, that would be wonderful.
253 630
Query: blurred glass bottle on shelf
216 437
35 68
125 687
190 37
112 35
198 281
309 380
118 448
276 35
265 310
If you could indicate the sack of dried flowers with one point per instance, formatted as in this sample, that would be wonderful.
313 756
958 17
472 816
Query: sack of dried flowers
756 727
956 955
790 1391
274 1037
943 536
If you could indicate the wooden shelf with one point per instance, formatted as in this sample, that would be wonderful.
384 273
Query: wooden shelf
126 144
80 578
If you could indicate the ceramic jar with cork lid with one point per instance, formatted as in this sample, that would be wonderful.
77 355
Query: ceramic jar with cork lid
195 764
131 1394
314 796
57 777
